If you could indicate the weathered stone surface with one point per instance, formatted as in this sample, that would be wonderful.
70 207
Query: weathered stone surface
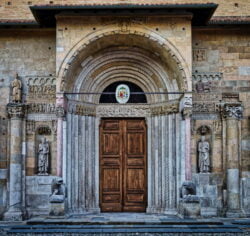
57 209
190 210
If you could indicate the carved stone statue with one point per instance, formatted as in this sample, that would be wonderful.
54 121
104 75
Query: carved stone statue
58 191
16 90
43 157
188 188
188 192
204 161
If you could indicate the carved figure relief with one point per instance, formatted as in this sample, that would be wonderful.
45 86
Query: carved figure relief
203 150
41 87
16 90
199 54
202 87
43 157
57 191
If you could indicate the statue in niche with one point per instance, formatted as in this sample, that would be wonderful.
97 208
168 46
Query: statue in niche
16 90
43 157
203 149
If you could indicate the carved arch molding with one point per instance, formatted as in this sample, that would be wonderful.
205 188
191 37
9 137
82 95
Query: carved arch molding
163 45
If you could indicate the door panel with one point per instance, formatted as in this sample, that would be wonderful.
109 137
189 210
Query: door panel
123 165
110 166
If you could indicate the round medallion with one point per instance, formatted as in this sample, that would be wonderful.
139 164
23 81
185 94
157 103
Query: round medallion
122 93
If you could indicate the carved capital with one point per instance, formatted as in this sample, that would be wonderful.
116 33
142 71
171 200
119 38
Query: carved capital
60 112
233 111
187 113
16 110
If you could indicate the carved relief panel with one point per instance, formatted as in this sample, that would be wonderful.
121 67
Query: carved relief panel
41 88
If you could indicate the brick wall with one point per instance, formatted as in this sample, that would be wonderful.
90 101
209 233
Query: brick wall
19 9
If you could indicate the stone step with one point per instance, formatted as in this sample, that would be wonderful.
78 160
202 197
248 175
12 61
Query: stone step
128 229
125 222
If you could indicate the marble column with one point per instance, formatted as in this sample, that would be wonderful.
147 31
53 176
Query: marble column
186 108
16 113
232 113
60 112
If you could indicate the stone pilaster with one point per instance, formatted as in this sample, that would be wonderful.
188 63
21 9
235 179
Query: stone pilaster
16 113
233 113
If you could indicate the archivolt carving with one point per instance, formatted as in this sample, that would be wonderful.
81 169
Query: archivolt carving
162 42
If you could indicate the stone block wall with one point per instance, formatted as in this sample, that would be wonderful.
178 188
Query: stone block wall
221 61
224 52
38 190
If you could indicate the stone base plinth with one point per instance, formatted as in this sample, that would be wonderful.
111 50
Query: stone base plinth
12 215
234 213
57 209
189 209
209 212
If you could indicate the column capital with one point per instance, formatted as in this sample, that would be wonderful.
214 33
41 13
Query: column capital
186 113
16 110
186 105
60 112
232 111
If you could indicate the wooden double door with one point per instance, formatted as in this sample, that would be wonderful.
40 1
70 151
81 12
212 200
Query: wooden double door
123 180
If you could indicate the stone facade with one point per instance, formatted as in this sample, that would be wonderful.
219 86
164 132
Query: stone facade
197 83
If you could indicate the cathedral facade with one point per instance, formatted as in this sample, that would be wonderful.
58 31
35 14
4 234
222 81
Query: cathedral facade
124 106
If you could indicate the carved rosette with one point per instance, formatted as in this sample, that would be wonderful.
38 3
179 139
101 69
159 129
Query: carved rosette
16 110
60 112
234 111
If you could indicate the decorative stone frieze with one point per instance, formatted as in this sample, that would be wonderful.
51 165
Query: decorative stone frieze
204 107
206 97
207 76
41 87
233 111
123 111
164 109
81 109
16 110
47 108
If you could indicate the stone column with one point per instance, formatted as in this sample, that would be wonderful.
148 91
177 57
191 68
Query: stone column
16 113
186 109
60 112
232 113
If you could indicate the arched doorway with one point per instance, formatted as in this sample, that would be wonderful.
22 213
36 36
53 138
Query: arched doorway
136 60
